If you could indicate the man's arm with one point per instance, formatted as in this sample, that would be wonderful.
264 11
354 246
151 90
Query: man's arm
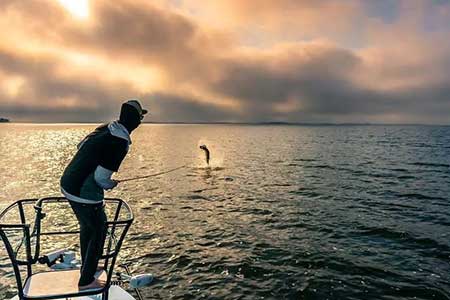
103 179
112 156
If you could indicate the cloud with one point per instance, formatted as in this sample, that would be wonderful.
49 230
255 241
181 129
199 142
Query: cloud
169 107
140 32
317 79
54 67
286 18
42 91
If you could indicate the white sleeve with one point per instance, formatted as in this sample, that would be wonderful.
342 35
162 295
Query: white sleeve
102 177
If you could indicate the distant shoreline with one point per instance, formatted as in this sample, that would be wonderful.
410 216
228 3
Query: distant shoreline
235 123
297 124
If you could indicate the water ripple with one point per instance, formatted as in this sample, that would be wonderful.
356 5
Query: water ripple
284 212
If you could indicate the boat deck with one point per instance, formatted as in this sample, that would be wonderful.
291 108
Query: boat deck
55 283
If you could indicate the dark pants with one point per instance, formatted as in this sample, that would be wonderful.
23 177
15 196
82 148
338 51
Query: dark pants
92 219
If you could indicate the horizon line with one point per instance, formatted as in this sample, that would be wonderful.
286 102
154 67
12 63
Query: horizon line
248 123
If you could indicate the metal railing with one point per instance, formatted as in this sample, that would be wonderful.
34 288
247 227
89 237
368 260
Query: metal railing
17 224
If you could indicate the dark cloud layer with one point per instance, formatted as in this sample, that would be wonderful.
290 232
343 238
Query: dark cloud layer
203 70
167 108
50 96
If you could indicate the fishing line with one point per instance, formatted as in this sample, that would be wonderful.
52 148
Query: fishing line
152 175
203 147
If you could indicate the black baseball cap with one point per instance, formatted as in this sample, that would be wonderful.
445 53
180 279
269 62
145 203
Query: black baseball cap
135 103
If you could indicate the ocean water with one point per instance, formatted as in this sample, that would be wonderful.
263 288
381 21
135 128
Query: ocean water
284 212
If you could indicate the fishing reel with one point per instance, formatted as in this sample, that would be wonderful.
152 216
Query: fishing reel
135 282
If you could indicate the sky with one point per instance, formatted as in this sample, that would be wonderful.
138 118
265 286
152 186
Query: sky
321 61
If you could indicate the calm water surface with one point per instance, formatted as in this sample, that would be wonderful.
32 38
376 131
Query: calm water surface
285 212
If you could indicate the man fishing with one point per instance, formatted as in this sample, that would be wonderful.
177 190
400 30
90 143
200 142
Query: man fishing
86 177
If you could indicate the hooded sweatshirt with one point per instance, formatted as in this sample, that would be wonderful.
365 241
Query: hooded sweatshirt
99 155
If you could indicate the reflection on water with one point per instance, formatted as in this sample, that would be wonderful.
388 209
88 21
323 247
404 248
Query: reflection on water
282 212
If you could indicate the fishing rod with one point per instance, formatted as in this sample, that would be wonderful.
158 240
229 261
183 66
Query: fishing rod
152 175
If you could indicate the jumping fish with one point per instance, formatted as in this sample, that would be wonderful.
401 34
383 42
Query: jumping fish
204 148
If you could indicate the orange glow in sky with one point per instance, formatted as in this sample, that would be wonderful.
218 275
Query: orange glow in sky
226 60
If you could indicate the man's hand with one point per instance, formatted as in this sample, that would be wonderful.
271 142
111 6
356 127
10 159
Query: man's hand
114 183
